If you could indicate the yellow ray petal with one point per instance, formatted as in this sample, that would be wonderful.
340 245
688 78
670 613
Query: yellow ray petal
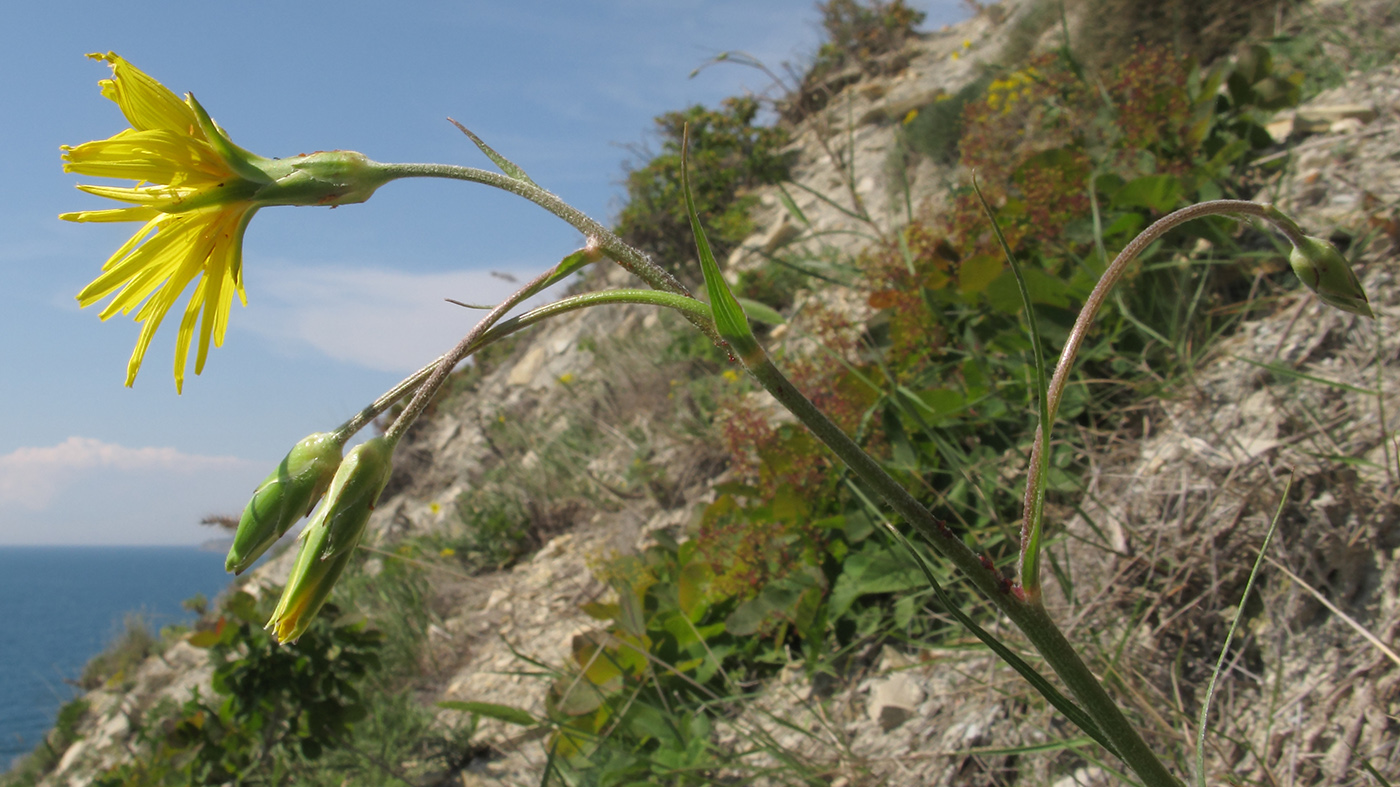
139 213
185 336
146 103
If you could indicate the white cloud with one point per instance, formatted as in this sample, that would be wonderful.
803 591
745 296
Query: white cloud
386 320
31 477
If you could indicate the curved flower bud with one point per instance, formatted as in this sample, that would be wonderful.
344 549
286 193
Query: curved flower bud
286 495
331 537
1326 272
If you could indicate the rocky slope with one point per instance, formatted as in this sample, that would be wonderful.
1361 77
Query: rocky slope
1183 506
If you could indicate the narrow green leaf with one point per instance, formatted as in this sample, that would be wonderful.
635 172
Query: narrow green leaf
761 312
507 166
1063 704
907 254
1367 767
787 202
730 322
1287 372
571 264
1030 541
492 710
1033 748
1230 635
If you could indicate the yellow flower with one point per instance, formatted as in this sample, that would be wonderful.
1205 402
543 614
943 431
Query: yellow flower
196 191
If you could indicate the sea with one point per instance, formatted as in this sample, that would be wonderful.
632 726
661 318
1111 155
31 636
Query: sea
59 606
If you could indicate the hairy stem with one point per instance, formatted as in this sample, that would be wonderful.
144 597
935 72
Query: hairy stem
425 392
1035 480
629 258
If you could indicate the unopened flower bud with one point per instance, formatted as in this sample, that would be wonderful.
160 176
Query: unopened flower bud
286 495
331 537
1326 272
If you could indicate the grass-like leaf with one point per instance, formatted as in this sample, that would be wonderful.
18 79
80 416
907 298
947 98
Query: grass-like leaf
492 710
507 166
1030 541
730 321
1230 635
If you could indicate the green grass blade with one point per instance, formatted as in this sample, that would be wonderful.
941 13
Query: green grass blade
493 710
1225 649
1284 371
1030 541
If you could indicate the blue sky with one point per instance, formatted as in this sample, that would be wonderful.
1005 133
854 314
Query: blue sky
341 303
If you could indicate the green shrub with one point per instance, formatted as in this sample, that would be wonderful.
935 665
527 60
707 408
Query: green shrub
122 655
859 32
288 714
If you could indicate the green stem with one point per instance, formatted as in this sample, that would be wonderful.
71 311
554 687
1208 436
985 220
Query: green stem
444 366
687 306
1036 480
1030 617
384 402
1032 521
629 258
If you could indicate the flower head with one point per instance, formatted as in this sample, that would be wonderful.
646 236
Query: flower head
195 191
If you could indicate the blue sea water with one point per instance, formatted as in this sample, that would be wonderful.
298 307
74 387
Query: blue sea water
59 606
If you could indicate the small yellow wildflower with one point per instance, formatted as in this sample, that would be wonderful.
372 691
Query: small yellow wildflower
447 552
967 43
909 116
566 378
955 55
196 191
730 375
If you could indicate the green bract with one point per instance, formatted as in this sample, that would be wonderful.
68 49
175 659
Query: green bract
286 495
330 539
1326 272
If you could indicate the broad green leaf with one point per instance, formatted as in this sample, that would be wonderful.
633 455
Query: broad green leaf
243 606
977 272
874 569
600 611
571 695
1046 289
747 618
1156 192
205 639
694 580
